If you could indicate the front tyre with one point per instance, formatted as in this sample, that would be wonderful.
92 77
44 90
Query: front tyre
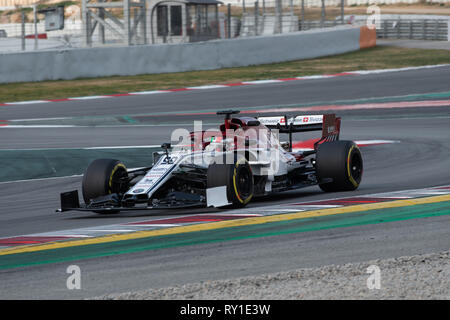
237 177
340 161
103 177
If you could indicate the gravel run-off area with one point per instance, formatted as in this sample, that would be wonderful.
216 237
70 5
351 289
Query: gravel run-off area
416 277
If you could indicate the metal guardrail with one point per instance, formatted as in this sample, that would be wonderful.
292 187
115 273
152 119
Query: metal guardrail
307 25
423 29
414 29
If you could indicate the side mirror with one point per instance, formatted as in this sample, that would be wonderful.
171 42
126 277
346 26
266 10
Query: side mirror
166 146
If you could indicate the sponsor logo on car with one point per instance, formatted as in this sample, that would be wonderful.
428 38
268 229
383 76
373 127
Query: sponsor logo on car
169 160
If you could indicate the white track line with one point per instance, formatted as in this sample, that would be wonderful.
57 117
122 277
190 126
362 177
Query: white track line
151 225
26 102
89 98
214 86
262 81
42 179
149 92
40 119
315 77
109 230
122 147
37 126
366 72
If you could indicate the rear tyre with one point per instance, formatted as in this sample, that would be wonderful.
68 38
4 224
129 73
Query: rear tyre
340 161
103 177
237 177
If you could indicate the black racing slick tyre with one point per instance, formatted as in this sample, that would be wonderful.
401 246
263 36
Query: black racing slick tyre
237 177
342 163
103 177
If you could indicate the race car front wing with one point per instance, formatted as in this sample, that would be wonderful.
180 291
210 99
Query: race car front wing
113 202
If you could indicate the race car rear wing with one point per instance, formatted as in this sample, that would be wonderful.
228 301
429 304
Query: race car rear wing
329 124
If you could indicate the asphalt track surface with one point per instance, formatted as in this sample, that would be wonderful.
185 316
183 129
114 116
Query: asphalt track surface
420 159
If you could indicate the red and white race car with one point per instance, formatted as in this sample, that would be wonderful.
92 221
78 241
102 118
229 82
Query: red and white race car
225 167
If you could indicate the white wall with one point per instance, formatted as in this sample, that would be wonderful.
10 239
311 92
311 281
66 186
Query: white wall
147 59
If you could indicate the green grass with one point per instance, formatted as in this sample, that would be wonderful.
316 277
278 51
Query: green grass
369 59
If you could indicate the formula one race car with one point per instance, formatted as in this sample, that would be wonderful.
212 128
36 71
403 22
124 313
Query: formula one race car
226 167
